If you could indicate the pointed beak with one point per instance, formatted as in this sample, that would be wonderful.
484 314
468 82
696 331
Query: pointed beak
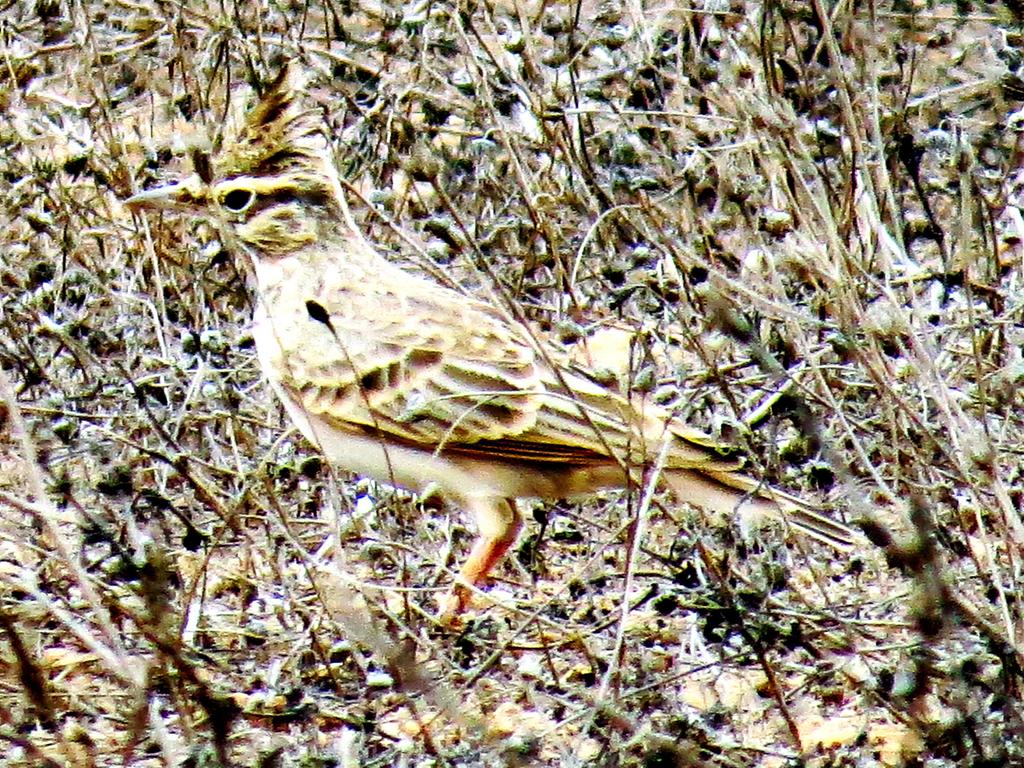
187 194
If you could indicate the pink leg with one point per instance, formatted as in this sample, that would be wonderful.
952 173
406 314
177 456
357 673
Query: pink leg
499 523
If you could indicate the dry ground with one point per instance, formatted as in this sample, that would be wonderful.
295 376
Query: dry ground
797 225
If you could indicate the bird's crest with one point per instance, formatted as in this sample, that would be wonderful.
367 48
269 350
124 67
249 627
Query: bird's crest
280 136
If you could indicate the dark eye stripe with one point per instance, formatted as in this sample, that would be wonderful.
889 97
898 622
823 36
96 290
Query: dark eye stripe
311 197
242 200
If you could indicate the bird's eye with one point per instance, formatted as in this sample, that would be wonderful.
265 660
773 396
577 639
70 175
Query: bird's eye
237 199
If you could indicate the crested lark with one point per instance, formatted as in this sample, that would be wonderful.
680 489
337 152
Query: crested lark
394 377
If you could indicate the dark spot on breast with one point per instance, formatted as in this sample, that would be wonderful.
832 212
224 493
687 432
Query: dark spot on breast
319 313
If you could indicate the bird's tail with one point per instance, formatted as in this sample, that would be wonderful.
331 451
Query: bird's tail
730 493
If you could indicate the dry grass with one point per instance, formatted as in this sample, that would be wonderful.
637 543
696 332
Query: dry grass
809 227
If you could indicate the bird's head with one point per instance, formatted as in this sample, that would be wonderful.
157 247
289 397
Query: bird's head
272 191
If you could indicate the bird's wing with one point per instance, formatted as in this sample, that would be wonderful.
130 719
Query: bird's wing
410 365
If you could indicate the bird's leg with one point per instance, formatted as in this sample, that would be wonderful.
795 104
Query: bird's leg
499 524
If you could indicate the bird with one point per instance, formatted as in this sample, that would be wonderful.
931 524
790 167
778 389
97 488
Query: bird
394 376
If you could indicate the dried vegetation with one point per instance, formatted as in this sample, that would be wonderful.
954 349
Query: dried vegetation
797 224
